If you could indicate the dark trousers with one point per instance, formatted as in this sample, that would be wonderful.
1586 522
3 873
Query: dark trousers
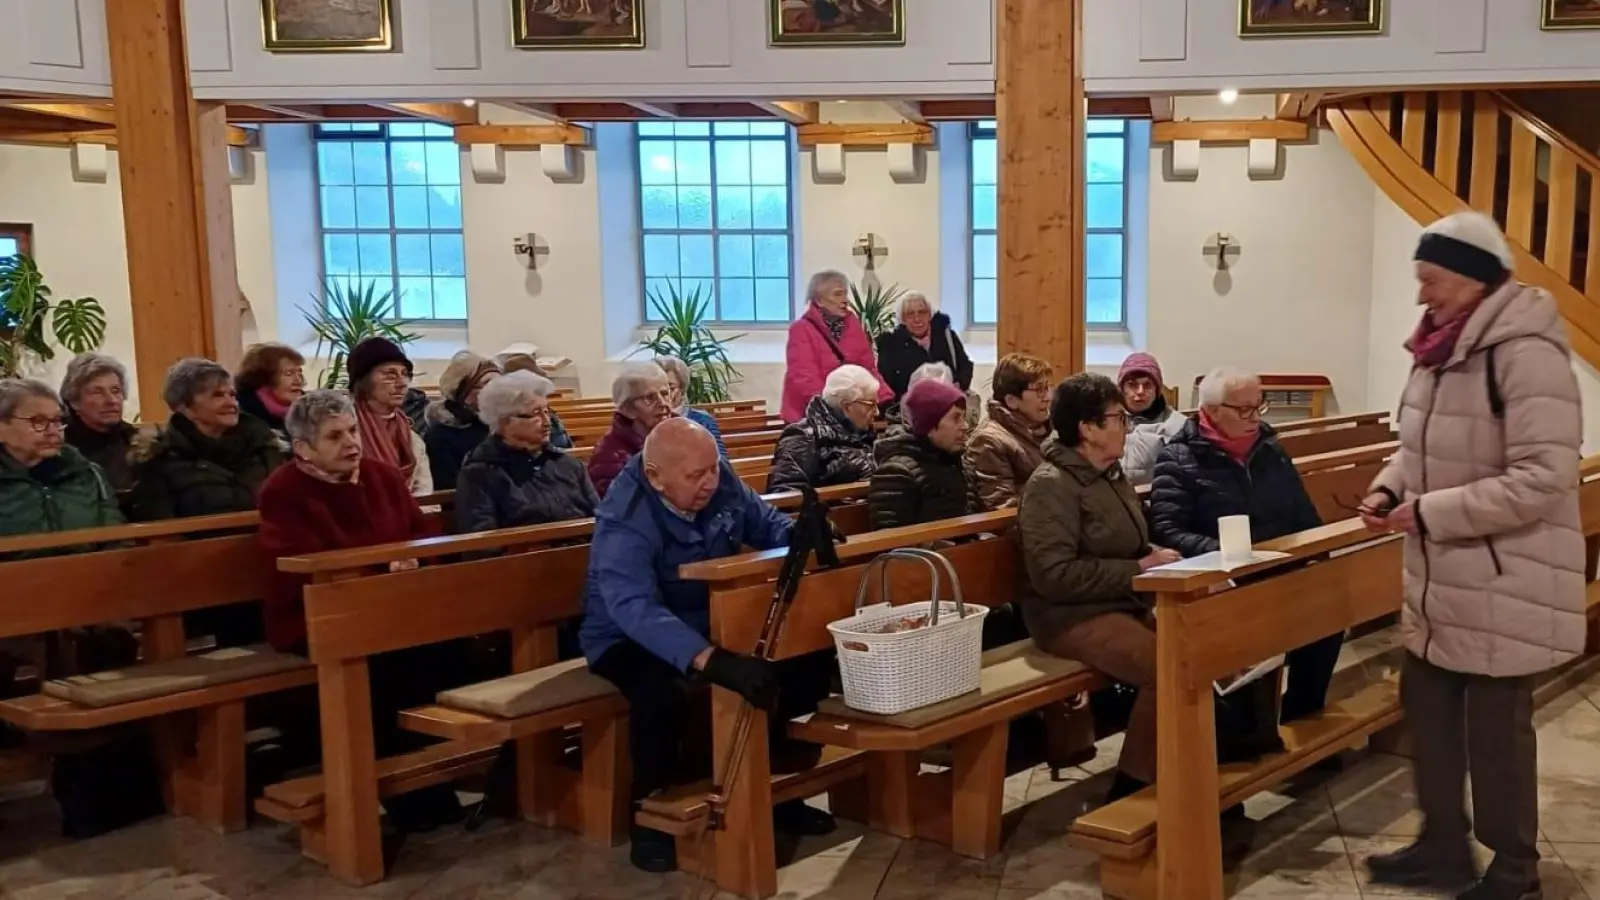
1308 672
1460 723
659 706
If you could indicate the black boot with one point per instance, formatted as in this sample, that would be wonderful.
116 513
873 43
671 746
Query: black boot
1436 865
652 851
1491 888
795 817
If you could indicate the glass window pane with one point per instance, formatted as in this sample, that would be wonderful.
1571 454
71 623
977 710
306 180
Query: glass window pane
657 293
694 207
731 129
694 129
412 254
450 298
411 207
733 162
772 300
372 207
338 207
1103 300
985 308
366 127
694 256
983 161
984 202
655 129
736 299
408 162
1105 159
771 207
660 206
339 256
1107 126
375 250
370 163
985 256
444 163
656 165
8 247
772 255
416 298
697 290
1104 257
436 130
332 127
694 162
779 129
449 257
405 129
733 207
1103 206
333 162
444 207
769 162
736 257
660 256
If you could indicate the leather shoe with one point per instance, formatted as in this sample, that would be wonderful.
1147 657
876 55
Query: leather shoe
1425 864
652 851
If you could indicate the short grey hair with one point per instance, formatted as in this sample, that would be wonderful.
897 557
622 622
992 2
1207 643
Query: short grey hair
675 367
503 397
849 383
629 383
908 298
1222 381
86 367
937 371
189 378
823 279
311 409
15 390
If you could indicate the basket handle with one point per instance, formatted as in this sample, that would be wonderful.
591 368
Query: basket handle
881 561
950 570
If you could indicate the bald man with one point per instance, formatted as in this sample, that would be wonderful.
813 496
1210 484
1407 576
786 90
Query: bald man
645 629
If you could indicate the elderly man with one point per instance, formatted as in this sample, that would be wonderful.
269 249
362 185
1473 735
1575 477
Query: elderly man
1227 462
645 629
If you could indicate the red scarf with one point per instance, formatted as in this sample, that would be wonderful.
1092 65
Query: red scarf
1431 345
1237 448
270 402
387 438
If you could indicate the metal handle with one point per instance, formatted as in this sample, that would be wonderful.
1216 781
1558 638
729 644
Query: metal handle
928 558
955 581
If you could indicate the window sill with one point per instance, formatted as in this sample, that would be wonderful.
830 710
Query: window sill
750 344
1105 347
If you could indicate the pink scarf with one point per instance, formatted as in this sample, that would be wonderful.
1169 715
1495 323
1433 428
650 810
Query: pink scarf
269 400
1237 448
1431 345
387 438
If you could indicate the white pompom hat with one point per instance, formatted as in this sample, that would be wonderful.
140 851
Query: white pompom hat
1468 243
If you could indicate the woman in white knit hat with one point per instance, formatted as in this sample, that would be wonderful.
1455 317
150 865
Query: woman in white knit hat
1485 490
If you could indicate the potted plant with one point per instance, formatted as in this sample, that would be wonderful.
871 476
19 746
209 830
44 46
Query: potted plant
30 320
348 313
683 333
875 307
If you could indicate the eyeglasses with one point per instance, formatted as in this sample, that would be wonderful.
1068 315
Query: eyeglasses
657 398
1042 389
1121 417
42 424
1248 412
541 415
1355 505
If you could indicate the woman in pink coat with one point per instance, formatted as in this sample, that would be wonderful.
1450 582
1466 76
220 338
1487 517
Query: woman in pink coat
825 337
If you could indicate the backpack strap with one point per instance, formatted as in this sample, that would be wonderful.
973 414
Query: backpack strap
1497 403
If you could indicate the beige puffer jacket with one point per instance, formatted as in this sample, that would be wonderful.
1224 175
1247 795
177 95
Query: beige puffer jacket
1495 585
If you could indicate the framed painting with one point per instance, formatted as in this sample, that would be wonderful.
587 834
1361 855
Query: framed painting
1288 18
797 23
576 24
1567 15
327 25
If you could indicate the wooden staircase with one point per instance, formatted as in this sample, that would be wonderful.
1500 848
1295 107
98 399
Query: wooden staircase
1438 152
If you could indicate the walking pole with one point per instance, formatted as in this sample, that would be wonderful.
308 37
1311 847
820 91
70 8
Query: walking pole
812 533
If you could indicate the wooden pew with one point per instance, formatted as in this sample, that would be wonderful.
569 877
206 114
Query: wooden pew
1337 480
1310 437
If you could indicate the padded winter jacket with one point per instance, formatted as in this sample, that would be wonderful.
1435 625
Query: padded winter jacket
501 486
1002 455
65 493
899 354
183 473
809 357
823 448
916 482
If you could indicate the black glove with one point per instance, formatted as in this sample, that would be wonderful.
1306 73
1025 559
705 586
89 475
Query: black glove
756 680
837 535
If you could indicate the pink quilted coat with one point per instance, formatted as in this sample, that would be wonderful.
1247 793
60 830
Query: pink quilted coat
1495 584
809 360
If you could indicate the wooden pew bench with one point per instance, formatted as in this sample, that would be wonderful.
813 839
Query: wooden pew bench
1309 437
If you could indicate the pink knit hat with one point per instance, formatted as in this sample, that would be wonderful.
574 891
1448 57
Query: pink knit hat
1140 364
927 402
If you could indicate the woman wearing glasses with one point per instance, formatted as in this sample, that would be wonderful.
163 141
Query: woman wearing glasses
1003 452
643 398
516 477
46 484
1227 462
832 444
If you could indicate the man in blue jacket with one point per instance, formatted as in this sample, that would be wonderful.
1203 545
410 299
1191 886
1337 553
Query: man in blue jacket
645 629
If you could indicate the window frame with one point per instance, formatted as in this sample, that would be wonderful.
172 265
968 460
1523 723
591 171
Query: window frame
987 130
21 232
380 132
646 317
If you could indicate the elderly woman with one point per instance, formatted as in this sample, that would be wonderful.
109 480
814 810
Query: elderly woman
923 335
643 398
515 477
95 389
936 371
678 380
333 497
380 375
1005 450
455 427
1485 490
920 476
270 379
1227 462
1151 420
208 459
46 484
833 443
825 337
512 360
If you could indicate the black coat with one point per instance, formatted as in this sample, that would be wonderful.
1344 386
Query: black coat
503 487
183 473
452 432
899 355
1196 483
916 482
111 450
821 449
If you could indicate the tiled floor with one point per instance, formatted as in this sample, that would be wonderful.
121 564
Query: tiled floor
1306 843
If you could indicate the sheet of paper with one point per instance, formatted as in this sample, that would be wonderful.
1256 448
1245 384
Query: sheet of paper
1212 562
1227 686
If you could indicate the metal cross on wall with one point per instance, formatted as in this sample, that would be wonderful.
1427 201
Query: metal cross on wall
869 247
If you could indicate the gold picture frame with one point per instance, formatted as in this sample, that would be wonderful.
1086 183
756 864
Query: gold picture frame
578 25
291 26
1570 15
796 23
1310 18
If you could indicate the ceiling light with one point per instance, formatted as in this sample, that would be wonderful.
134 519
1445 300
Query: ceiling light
469 102
1228 95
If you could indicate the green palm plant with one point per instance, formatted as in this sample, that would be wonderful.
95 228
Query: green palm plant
347 313
875 307
30 320
683 333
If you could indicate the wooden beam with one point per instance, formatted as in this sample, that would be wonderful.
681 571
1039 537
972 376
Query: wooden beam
957 110
795 112
446 113
1300 105
867 135
910 110
546 111
655 109
176 201
100 114
1229 130
273 112
720 110
363 112
1040 114
521 135
1161 107
1119 107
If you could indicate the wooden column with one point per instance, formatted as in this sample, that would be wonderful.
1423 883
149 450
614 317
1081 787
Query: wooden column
172 158
1040 111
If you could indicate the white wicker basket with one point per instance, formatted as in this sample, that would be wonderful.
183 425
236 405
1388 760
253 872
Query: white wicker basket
890 673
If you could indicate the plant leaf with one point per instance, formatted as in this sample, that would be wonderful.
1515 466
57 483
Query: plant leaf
79 325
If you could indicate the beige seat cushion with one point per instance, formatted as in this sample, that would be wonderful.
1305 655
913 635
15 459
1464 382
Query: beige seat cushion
528 693
159 679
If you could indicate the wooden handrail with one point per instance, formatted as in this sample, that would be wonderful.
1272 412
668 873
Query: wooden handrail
1332 421
143 532
1351 456
1585 157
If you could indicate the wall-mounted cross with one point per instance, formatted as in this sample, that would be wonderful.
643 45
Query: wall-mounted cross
869 247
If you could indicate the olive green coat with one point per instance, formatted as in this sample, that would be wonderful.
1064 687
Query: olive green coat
61 494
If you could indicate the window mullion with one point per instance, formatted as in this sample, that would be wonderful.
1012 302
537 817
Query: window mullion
716 260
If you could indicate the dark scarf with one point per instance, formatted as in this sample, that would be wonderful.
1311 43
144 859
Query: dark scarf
1154 413
835 324
90 441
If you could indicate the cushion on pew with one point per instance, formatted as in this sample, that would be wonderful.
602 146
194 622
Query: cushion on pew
172 676
527 693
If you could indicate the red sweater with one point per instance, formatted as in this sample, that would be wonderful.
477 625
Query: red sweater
303 514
